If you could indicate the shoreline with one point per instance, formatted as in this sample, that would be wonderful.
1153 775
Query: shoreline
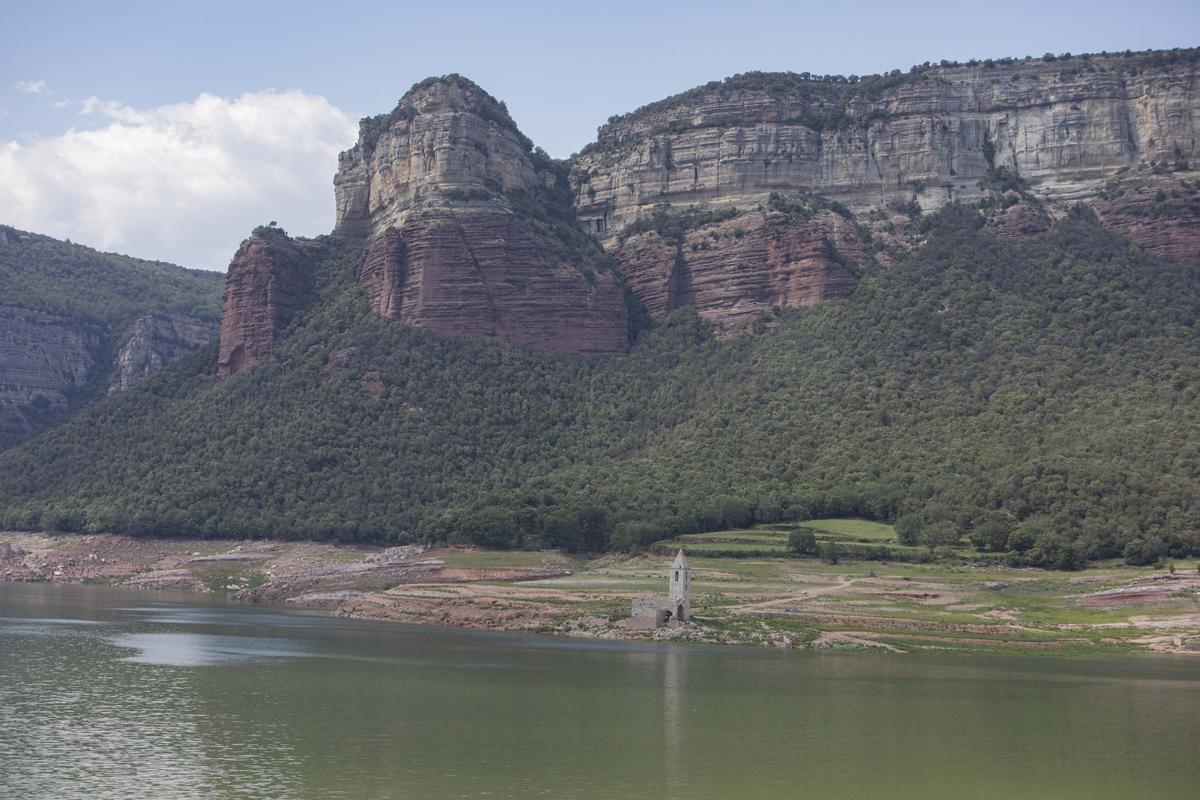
777 602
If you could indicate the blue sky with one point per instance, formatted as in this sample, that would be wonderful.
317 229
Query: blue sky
562 68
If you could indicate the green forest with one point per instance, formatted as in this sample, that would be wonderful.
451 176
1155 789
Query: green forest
1040 398
59 277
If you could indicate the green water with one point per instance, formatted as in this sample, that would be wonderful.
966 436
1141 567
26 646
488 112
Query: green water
110 694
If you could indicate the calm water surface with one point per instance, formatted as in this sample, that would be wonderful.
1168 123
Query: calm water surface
111 694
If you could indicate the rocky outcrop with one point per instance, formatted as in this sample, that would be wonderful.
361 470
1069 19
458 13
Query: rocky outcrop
44 360
267 283
1063 127
1012 217
470 232
1162 215
155 340
735 269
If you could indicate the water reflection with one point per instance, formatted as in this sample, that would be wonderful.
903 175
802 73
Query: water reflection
199 650
674 722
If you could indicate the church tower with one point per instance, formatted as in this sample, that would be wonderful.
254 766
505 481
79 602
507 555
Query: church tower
680 591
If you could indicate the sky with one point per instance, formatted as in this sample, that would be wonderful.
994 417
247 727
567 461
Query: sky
168 130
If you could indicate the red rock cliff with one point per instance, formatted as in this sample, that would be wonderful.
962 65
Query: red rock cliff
1163 217
266 283
469 233
733 270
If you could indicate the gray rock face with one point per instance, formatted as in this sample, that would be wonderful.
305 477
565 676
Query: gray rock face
1065 127
43 359
155 340
467 231
447 138
49 361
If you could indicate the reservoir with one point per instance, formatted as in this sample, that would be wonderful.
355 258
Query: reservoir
106 693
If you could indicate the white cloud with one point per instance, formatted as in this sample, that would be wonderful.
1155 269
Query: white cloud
183 182
32 87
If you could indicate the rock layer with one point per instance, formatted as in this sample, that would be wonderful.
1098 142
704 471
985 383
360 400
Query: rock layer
489 272
44 359
155 340
1063 127
267 282
733 271
1163 217
469 232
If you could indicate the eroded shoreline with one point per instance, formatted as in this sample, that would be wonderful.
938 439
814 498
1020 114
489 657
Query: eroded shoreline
782 602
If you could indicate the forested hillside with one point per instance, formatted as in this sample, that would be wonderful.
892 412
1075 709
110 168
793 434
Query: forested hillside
1042 397
45 274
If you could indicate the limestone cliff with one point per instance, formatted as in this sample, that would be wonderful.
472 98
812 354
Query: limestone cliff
155 340
469 231
1063 127
267 282
51 362
759 192
44 360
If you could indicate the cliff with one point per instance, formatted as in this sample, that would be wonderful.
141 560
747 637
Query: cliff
265 286
468 231
76 322
733 268
1063 127
44 359
759 192
1161 215
155 340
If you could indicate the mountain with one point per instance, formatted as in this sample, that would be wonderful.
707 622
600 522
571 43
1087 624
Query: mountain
76 324
1052 381
967 297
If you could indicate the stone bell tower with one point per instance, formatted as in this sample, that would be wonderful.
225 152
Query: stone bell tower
680 592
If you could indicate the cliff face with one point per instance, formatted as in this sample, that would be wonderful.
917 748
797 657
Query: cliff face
44 359
1062 127
488 272
50 362
469 232
733 270
1162 216
266 284
762 191
155 340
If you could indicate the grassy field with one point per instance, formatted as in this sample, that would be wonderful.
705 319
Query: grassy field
857 538
858 530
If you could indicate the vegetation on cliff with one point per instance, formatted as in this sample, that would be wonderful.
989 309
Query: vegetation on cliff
58 277
1040 397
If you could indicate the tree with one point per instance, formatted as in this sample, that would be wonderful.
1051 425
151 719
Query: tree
802 542
1141 552
829 552
908 526
992 533
939 534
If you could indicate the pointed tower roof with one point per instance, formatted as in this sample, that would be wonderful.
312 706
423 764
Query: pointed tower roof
680 561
